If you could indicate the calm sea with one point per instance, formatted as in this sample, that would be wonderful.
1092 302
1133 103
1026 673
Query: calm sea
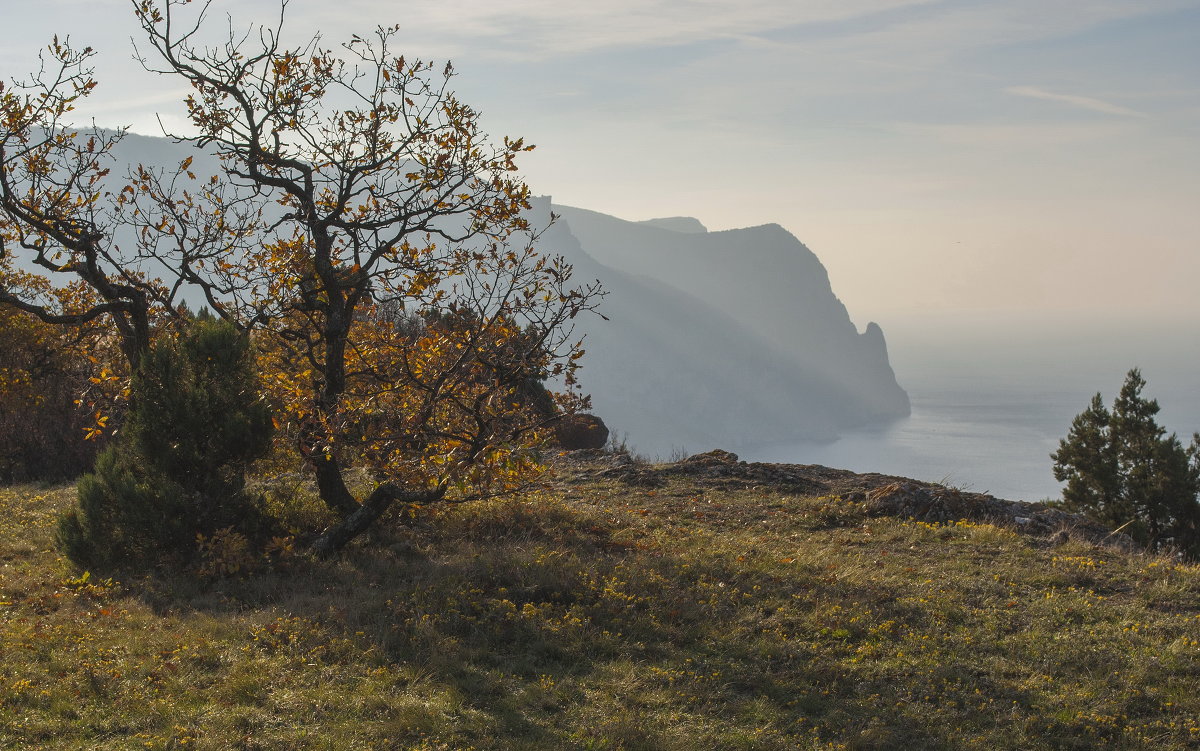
987 418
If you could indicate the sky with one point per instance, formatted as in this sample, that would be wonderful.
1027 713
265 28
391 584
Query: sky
950 161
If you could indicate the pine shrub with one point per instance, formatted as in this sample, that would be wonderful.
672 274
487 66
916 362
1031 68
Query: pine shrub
177 469
1121 468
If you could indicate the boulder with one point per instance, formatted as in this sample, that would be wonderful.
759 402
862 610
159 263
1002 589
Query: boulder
575 432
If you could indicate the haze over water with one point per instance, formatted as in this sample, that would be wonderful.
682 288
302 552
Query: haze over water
988 409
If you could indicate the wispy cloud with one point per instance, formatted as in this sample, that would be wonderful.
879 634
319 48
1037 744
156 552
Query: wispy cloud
990 136
1084 102
943 33
536 29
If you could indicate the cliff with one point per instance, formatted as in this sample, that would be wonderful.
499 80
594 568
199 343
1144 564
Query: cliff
720 338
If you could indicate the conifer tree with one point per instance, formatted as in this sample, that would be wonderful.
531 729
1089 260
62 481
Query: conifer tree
177 468
1085 460
1122 469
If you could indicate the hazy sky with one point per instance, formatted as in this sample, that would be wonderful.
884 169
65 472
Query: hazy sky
945 159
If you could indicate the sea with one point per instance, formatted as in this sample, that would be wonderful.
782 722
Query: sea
989 405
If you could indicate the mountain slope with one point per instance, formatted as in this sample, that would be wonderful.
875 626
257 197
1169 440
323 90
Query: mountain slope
702 350
668 371
713 338
765 279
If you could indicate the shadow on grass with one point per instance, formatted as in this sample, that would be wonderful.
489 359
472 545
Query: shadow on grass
550 626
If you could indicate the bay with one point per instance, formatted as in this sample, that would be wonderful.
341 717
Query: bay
988 409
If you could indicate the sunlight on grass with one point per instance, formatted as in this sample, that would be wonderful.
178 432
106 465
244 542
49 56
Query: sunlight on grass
603 616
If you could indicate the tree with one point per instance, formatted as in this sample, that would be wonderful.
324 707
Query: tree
177 468
1123 470
348 188
376 191
197 412
77 243
1086 460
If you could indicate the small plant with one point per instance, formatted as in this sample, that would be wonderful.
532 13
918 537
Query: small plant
617 442
225 553
678 454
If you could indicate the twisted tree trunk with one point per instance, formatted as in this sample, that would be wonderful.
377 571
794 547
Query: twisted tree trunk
335 538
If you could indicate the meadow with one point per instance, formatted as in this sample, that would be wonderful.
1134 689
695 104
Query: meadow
596 613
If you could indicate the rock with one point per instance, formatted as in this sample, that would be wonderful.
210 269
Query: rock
577 432
714 458
879 495
915 501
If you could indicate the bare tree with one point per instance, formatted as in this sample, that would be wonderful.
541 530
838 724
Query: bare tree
393 274
58 216
78 244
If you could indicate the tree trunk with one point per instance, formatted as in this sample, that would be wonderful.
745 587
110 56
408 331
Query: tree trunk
332 486
330 483
335 538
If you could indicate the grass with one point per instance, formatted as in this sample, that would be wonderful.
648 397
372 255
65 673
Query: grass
596 615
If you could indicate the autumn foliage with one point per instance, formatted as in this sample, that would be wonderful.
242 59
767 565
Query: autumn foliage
44 378
384 195
361 229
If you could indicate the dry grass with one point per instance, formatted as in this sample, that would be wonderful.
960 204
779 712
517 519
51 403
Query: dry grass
600 616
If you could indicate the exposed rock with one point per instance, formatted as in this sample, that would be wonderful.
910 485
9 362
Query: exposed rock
709 460
937 504
576 432
924 503
879 495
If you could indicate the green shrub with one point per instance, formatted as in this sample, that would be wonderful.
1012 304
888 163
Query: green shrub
198 417
125 513
1121 468
177 469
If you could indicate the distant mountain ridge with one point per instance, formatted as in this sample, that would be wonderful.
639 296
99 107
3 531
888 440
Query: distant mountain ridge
676 223
719 338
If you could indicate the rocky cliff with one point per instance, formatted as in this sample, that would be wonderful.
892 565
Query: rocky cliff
719 338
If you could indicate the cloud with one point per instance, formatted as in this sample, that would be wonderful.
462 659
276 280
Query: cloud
1085 102
987 137
536 29
938 36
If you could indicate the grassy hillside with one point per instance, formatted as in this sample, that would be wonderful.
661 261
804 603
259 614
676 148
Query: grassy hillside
615 608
